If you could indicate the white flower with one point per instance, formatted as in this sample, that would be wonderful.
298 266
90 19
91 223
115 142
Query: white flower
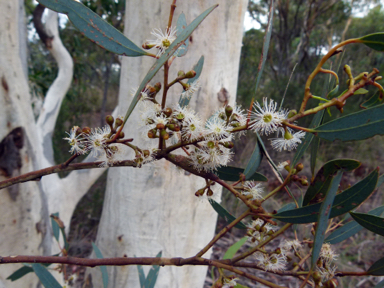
192 129
253 189
210 156
216 128
187 94
96 140
163 40
327 254
327 273
282 165
289 141
75 141
266 119
273 262
229 283
292 244
148 111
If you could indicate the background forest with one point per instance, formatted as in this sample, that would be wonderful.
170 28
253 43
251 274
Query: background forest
302 31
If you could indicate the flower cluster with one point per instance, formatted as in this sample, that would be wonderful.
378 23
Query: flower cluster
266 120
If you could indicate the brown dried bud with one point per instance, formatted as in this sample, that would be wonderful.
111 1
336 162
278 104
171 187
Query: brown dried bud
147 46
152 133
168 111
86 130
332 283
160 126
157 86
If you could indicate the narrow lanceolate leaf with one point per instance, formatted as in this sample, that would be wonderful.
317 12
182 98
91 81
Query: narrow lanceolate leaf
46 278
374 41
55 227
20 273
254 161
152 274
375 100
324 214
229 173
319 185
314 149
184 101
344 202
370 222
380 284
103 269
225 214
234 248
356 126
140 270
377 268
164 58
267 39
303 146
94 27
351 228
181 25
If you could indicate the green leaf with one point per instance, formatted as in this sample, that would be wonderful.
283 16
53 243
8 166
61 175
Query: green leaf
324 214
46 278
19 273
103 269
370 222
231 252
184 101
375 100
254 161
361 91
225 214
94 27
343 203
333 93
374 41
240 286
319 185
140 270
349 229
181 25
55 227
229 173
267 39
303 146
164 58
152 274
377 268
380 181
380 284
314 148
355 126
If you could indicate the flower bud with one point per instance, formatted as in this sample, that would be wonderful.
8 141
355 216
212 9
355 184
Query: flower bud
118 122
332 283
209 192
121 135
160 126
109 119
147 46
152 133
157 86
164 134
181 74
200 192
190 74
304 182
291 113
168 111
316 277
228 111
86 130
228 144
146 153
299 167
77 130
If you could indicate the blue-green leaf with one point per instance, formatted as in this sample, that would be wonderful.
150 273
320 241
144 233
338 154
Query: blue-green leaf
141 276
229 173
254 161
351 228
19 273
344 202
380 284
370 222
355 126
319 185
103 269
55 226
225 214
377 268
374 41
184 101
181 25
46 278
375 100
94 27
164 58
152 274
324 214
232 250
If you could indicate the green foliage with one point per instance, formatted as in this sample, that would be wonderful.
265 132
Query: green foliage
232 250
198 67
371 222
229 173
150 280
103 269
377 268
45 277
225 214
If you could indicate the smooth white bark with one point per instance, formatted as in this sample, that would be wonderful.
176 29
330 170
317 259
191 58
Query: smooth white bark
154 208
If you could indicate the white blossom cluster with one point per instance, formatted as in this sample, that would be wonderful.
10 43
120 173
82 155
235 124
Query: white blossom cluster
327 256
267 119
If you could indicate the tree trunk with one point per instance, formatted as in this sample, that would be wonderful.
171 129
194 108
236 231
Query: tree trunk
154 208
